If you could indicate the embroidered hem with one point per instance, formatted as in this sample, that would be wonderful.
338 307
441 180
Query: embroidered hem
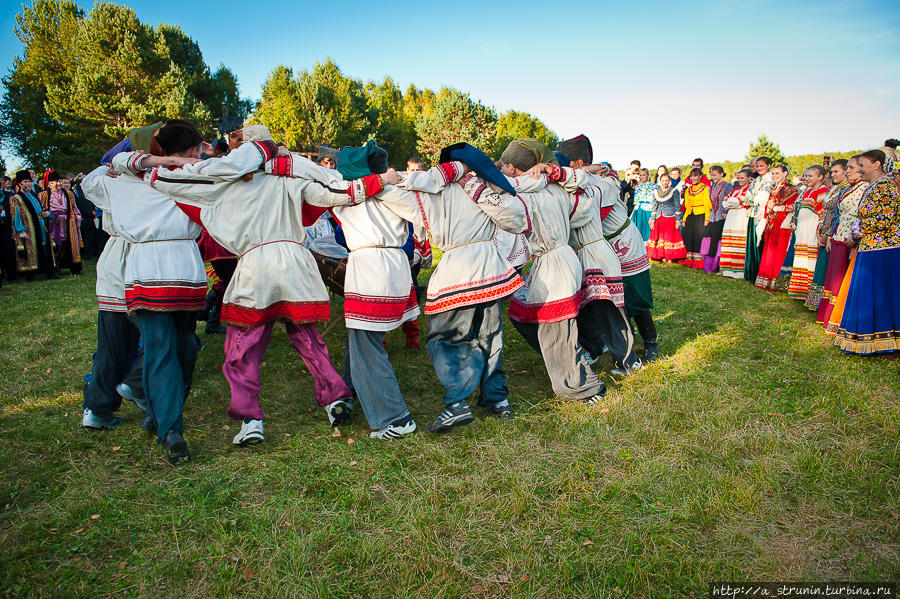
555 311
477 292
297 312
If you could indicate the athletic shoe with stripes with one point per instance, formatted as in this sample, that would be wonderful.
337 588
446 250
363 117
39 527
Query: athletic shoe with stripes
398 428
453 415
622 371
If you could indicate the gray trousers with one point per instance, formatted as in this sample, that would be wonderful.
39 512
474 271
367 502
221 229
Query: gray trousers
570 374
368 371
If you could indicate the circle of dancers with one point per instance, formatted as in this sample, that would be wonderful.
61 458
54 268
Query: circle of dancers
588 289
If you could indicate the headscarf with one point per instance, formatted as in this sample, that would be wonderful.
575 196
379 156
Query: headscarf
479 162
561 159
357 162
525 152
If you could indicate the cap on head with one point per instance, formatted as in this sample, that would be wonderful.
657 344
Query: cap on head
577 148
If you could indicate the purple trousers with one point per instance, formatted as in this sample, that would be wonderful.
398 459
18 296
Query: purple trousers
244 349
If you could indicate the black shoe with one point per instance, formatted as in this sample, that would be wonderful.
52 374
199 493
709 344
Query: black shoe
500 409
651 351
176 448
149 424
215 328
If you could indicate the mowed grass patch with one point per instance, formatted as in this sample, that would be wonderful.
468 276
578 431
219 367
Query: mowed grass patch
752 450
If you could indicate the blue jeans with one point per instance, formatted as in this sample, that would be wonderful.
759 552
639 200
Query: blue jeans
466 347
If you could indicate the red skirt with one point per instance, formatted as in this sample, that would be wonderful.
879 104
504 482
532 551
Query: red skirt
838 261
665 241
774 252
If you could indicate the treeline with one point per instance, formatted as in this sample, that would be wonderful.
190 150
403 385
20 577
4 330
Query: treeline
85 79
323 105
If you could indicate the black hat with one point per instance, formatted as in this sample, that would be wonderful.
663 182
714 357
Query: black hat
22 175
577 148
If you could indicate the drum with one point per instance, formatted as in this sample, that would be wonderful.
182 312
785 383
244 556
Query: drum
331 258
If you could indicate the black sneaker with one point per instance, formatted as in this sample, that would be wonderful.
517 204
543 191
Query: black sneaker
455 414
651 351
595 399
500 409
339 411
176 448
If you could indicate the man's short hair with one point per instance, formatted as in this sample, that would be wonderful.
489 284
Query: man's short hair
415 160
178 135
675 168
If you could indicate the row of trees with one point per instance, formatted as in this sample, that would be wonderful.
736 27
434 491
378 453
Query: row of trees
85 79
323 105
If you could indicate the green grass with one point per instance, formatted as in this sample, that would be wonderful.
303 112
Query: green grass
752 450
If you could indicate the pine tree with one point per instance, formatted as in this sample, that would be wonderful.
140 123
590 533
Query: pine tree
765 147
513 124
456 118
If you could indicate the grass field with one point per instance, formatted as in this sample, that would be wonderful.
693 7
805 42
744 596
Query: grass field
752 450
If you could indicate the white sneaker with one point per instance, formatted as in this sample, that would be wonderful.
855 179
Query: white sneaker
399 428
251 433
97 422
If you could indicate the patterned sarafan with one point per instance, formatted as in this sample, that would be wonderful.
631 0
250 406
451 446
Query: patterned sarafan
879 216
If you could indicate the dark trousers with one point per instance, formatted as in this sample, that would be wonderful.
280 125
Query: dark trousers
8 252
170 351
46 259
601 322
570 375
466 348
645 326
117 343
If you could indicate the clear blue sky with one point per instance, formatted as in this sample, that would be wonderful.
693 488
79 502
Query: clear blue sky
659 81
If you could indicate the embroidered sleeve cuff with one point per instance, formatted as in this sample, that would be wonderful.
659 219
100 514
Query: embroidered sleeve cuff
134 163
267 149
282 166
558 173
363 188
450 171
473 186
